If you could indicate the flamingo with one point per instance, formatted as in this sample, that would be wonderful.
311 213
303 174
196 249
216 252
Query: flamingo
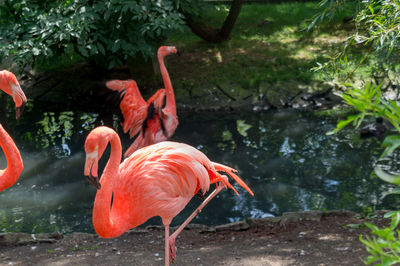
9 84
156 123
157 180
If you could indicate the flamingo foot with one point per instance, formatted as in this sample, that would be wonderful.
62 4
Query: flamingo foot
172 249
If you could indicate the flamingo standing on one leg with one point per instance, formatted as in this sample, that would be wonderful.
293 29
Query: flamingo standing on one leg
10 85
155 122
157 180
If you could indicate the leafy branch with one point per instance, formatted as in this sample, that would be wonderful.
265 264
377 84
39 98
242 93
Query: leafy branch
376 26
106 32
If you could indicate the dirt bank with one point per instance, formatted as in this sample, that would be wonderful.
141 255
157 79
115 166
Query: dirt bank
306 238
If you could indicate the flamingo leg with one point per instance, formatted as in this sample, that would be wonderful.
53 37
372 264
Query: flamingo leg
189 219
166 256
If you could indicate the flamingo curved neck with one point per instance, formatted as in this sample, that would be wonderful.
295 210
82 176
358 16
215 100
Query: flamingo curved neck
167 84
14 161
105 223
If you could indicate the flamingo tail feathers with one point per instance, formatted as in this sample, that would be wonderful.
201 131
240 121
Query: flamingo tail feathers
231 172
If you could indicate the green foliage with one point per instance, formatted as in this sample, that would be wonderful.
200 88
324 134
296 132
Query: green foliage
106 32
376 24
368 101
377 29
384 246
268 41
329 10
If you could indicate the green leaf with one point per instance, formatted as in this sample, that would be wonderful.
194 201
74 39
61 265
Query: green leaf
242 127
116 46
354 226
83 51
393 179
341 124
391 143
101 48
107 14
395 190
112 64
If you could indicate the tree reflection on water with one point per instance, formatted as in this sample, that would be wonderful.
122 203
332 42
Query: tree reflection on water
285 157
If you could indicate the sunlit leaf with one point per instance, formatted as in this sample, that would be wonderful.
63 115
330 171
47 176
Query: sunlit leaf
393 179
242 127
390 143
226 135
341 124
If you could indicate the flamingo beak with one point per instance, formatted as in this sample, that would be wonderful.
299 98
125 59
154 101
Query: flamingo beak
93 180
178 53
19 99
91 167
19 110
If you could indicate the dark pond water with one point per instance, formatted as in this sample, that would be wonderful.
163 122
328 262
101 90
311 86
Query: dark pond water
284 156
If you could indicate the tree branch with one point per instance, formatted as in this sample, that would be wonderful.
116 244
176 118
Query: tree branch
208 33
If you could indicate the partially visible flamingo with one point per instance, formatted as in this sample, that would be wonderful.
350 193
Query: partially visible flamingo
9 84
157 180
155 122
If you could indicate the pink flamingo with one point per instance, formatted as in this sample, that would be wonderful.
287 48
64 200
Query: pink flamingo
156 123
157 180
9 84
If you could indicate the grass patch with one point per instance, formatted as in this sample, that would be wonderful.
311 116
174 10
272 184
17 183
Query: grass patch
269 50
268 45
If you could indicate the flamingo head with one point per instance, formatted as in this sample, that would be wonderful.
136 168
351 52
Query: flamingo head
95 145
166 50
9 84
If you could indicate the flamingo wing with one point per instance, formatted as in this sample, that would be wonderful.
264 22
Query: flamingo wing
158 99
133 106
153 129
163 177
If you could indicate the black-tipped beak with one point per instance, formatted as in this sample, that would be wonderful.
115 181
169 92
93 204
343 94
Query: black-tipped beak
178 53
19 110
94 181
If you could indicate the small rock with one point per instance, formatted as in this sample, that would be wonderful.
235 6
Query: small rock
300 104
302 234
342 248
196 226
338 213
288 217
255 222
237 226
